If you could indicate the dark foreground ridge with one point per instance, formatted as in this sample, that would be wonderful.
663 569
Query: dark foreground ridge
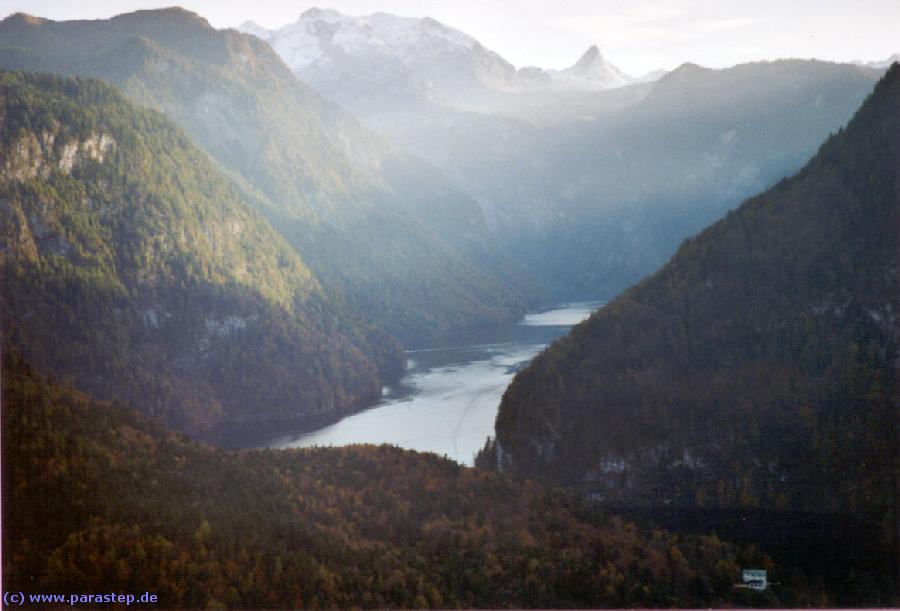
100 498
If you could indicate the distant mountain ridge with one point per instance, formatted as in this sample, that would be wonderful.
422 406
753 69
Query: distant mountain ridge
589 189
417 58
592 205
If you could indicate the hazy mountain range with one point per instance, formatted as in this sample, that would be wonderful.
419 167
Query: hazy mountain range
232 230
581 207
420 58
592 179
382 229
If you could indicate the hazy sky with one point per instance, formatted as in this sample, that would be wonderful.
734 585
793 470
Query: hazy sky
637 35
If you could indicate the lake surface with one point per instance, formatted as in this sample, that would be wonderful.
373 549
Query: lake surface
447 400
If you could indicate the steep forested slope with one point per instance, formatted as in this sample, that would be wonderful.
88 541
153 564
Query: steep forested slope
97 498
405 247
758 368
132 267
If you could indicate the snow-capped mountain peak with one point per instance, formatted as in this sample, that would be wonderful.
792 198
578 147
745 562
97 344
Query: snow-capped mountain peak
413 54
588 59
387 55
591 72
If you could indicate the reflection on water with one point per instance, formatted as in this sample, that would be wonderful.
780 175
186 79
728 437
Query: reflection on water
447 400
561 317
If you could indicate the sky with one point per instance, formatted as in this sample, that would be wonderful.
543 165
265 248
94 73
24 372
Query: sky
636 35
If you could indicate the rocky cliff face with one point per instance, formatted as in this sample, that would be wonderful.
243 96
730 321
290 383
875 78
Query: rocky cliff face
33 155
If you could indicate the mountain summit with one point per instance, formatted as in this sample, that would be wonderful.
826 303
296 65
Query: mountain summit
588 61
592 72
409 57
415 58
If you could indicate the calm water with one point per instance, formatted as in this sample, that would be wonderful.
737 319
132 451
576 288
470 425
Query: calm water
447 400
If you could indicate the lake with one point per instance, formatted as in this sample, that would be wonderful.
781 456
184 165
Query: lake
447 400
